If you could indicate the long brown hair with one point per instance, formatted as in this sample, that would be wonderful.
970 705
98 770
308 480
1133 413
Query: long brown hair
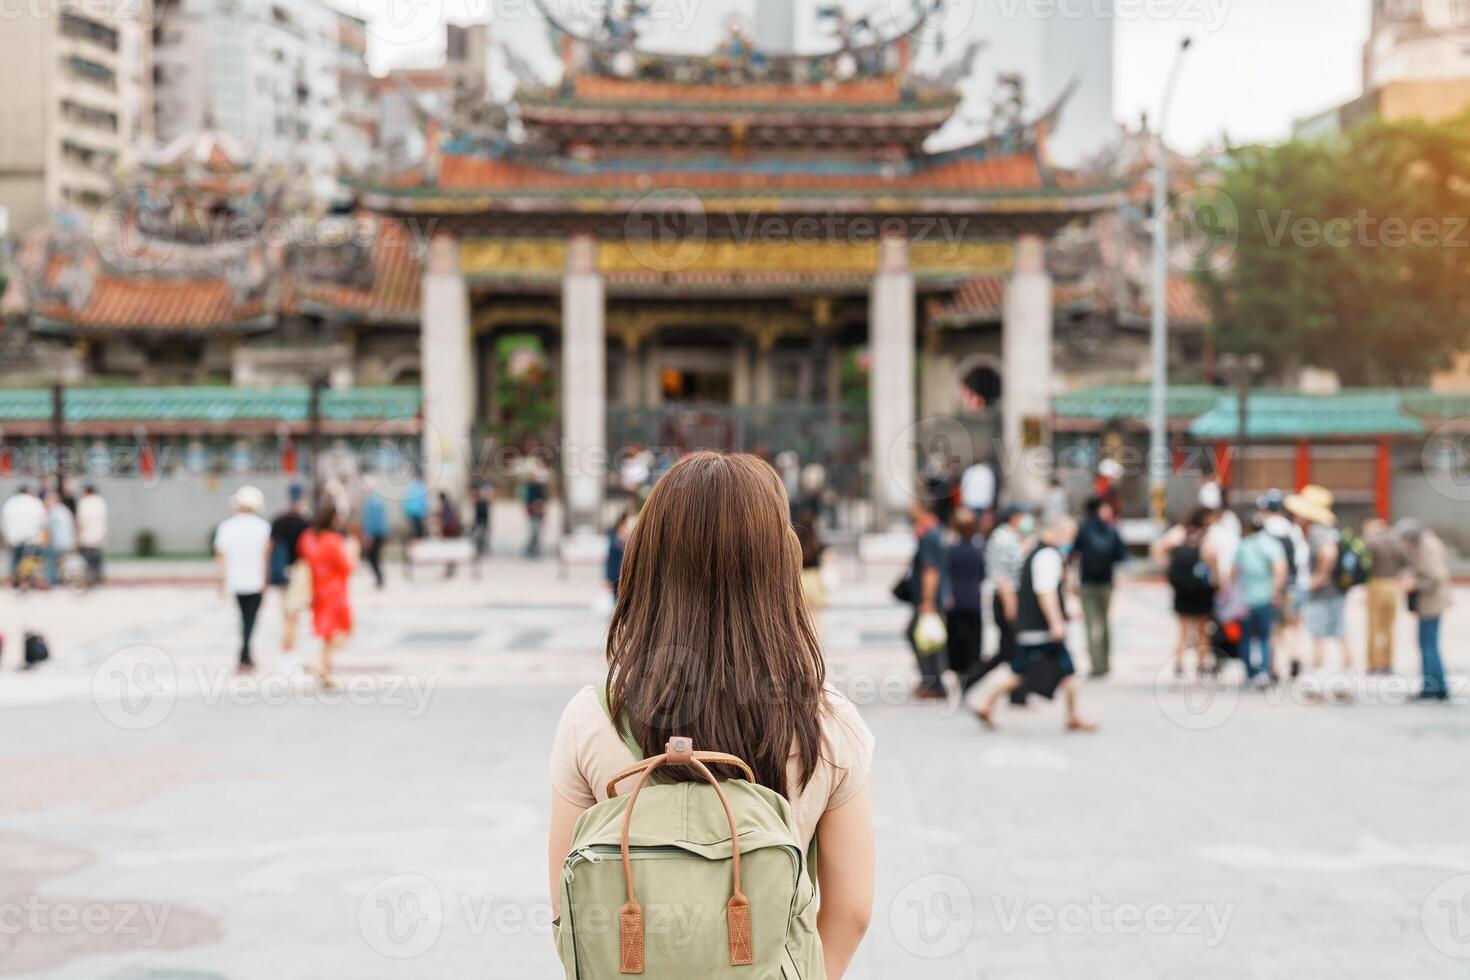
710 637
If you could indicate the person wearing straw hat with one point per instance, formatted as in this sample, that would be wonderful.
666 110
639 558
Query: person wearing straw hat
1325 611
242 546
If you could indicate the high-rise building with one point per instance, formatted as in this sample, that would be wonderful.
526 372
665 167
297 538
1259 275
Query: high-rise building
268 73
78 78
1416 65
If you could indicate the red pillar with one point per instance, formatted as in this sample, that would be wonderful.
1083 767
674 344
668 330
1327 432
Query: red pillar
288 458
1383 489
1303 464
147 460
1222 463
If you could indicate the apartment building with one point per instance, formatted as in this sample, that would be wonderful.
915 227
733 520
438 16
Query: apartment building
268 73
79 80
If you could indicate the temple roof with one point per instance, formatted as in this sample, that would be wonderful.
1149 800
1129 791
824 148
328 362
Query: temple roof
386 291
982 300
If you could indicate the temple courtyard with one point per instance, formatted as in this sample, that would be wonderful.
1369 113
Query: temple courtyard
160 820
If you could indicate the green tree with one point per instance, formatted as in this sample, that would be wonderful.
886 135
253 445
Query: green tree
1350 254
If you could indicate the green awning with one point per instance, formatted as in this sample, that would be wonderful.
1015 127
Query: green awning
1108 403
212 404
1288 416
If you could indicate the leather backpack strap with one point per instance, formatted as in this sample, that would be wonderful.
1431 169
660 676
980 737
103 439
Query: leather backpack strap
680 752
718 758
622 730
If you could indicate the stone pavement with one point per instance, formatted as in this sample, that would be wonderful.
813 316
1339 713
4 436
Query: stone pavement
162 821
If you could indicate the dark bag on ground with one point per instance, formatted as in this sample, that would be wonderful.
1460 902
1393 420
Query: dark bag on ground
36 650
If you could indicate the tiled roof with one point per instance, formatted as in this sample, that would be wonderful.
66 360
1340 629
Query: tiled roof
1291 416
156 304
209 404
982 300
394 293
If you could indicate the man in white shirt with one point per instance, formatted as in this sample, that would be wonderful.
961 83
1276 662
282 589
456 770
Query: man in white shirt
977 489
23 520
242 549
92 531
1042 663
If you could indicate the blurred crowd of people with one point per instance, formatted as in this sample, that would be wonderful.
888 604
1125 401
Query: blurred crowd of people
1264 587
55 536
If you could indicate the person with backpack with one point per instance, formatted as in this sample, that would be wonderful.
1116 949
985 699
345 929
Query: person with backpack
1187 554
1100 550
1042 664
1325 611
717 681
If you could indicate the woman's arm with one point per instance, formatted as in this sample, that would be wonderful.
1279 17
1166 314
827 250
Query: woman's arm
845 862
559 843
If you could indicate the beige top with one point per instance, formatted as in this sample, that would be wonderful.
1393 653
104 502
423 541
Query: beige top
589 751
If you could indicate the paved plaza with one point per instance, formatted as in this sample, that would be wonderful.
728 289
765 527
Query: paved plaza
162 821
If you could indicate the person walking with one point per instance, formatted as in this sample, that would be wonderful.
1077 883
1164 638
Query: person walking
1427 579
1261 575
242 548
1325 612
416 508
725 654
1390 560
1042 664
375 531
484 498
928 588
324 549
1288 534
964 618
1100 550
23 519
1187 553
61 536
92 532
1005 554
977 489
617 547
289 575
534 494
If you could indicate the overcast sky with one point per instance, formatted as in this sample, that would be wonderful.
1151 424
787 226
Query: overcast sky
1256 64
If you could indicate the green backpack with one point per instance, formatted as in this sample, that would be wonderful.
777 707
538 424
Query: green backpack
684 880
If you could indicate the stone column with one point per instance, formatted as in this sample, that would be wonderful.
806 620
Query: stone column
583 387
891 385
1027 358
765 371
447 367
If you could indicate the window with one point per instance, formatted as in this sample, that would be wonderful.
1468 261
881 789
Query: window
88 30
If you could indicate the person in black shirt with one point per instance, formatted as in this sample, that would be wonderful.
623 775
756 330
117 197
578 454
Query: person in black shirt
966 573
1100 550
287 572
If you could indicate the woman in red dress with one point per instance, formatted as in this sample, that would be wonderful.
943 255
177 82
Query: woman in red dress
324 549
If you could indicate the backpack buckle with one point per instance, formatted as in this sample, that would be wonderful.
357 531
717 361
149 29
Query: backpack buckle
680 750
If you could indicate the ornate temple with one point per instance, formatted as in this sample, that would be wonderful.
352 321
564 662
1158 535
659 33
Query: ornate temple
740 250
730 249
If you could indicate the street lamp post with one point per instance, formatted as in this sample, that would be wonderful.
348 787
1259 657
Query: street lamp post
1158 441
